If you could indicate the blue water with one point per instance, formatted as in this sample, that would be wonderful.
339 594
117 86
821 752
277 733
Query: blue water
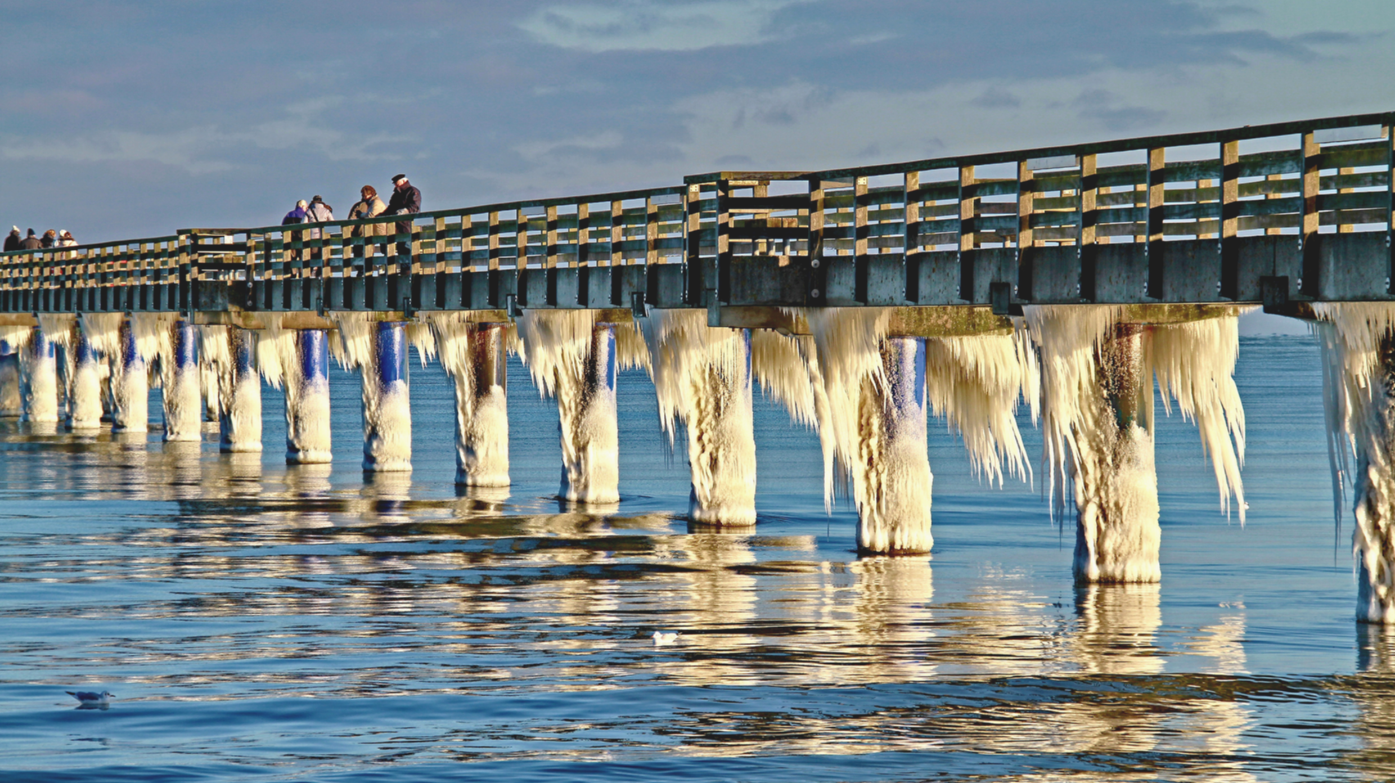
258 622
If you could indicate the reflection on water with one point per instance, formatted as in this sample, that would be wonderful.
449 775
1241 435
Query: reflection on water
265 621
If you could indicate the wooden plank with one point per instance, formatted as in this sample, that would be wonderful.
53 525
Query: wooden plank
1026 242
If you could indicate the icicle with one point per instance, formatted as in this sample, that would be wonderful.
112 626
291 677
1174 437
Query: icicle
474 356
702 376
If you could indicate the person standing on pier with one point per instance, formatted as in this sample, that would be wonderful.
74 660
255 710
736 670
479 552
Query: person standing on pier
319 212
12 241
30 242
406 200
297 215
50 239
369 206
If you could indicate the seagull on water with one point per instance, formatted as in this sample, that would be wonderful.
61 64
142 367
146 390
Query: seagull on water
665 638
91 698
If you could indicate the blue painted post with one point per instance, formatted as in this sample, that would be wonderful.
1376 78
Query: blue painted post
180 385
590 431
240 389
307 400
894 509
39 379
130 384
387 410
11 400
85 411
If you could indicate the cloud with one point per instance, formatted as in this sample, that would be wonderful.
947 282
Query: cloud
996 97
644 25
208 149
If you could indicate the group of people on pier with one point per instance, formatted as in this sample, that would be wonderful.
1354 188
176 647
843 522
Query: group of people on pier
50 238
405 200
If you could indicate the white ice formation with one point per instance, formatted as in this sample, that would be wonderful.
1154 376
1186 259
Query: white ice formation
474 356
855 385
1358 349
702 376
229 355
1097 390
378 351
283 357
573 356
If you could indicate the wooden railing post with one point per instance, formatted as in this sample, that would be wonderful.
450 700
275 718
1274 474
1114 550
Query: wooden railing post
617 233
911 243
818 273
1087 218
1308 227
860 235
968 231
1156 181
1026 243
1230 219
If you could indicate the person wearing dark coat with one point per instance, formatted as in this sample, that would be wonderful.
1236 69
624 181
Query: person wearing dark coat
12 241
405 200
30 242
50 239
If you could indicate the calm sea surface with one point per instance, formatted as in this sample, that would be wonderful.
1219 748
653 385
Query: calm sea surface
259 622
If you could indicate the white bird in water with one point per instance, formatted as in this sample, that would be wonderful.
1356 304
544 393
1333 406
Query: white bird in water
665 638
90 698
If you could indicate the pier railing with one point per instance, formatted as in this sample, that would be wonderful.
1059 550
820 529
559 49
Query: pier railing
1270 213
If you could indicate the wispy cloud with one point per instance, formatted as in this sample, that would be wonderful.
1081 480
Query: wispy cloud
645 25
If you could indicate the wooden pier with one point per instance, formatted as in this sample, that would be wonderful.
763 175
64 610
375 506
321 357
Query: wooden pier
1279 214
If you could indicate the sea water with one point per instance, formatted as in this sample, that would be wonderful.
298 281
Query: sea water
264 622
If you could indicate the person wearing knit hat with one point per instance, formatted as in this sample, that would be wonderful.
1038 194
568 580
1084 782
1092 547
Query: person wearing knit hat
30 242
12 241
297 215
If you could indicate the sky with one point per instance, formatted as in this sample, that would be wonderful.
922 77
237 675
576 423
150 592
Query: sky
126 120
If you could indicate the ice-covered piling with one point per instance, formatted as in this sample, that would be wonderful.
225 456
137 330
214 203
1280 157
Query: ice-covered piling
85 384
180 382
229 353
702 376
1098 368
475 356
573 356
297 361
894 498
129 343
378 350
38 363
867 392
11 401
1358 348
